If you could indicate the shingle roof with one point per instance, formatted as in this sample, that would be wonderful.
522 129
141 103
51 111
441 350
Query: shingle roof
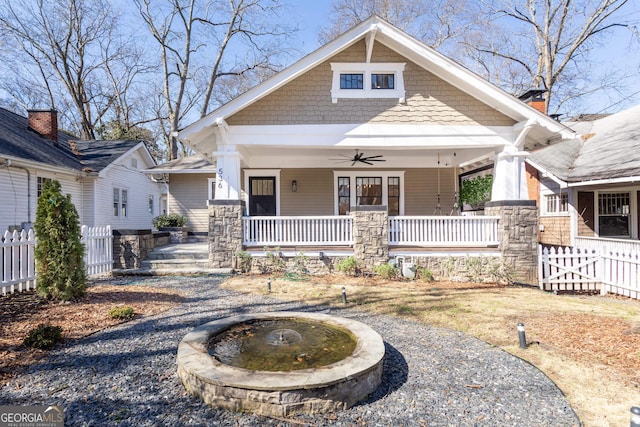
17 140
189 164
608 148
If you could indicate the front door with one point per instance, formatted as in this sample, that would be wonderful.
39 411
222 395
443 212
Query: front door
262 196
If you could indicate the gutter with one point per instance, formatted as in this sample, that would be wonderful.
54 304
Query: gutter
628 179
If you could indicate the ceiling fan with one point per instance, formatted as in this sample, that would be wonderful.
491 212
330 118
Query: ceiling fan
360 157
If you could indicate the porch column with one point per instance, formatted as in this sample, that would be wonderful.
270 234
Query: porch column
227 175
518 235
509 180
225 232
370 235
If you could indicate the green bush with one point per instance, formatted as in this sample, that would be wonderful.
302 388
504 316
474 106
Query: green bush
348 266
121 312
44 337
171 220
275 261
386 271
244 261
59 252
424 274
476 191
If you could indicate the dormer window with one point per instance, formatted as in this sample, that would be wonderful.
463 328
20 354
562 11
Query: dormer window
349 79
382 81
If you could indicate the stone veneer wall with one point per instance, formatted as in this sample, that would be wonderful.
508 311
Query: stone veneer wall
370 235
225 232
518 235
130 247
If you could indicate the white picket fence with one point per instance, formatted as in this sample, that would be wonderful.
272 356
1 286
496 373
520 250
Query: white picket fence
98 249
17 260
588 269
17 267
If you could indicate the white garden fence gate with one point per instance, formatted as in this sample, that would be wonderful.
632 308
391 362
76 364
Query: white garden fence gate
587 269
17 260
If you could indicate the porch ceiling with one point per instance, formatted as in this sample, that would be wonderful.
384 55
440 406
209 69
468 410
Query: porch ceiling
330 157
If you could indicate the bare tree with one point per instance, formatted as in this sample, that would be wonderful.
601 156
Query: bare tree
438 23
68 44
201 43
547 44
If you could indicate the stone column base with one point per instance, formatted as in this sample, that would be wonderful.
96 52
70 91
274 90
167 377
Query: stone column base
225 232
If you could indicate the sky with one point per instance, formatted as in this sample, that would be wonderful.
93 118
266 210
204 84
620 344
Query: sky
617 52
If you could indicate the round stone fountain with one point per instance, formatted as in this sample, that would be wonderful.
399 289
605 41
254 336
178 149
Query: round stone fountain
293 372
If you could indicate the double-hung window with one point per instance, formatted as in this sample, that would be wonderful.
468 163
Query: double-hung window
120 202
613 214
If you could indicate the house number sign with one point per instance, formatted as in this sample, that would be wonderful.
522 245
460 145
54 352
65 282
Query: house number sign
220 171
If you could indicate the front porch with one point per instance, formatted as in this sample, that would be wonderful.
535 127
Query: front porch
373 237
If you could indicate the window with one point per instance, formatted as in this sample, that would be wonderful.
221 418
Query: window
123 204
382 81
120 203
351 81
151 203
116 202
344 195
369 191
386 79
41 182
393 192
613 214
371 188
556 203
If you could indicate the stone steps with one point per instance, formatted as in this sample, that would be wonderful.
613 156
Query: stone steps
176 259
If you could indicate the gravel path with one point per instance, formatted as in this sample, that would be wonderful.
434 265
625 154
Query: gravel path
126 375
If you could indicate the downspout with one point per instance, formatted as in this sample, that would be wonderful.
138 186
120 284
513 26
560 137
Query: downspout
28 187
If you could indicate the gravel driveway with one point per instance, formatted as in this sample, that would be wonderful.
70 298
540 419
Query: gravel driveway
126 375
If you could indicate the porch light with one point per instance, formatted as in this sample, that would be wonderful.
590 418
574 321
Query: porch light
294 185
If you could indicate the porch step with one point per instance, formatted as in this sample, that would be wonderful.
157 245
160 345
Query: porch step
176 259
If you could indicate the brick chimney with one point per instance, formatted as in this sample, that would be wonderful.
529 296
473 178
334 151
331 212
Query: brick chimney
44 122
535 98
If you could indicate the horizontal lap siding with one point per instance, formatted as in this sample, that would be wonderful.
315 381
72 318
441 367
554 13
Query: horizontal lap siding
139 187
314 195
429 99
13 193
188 196
421 191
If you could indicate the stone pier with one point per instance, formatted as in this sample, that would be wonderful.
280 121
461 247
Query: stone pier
518 235
370 235
225 232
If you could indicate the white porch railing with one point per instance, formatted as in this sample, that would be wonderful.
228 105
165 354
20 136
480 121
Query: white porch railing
610 245
98 249
444 230
296 230
17 263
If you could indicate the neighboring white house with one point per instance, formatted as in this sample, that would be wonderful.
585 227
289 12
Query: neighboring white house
104 178
589 188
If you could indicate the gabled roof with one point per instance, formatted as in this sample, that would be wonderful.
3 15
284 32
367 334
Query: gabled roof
18 141
608 149
381 31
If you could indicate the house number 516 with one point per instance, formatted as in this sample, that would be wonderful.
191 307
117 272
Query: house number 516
220 171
